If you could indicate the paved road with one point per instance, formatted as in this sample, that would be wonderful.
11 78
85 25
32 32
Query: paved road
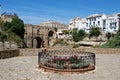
26 68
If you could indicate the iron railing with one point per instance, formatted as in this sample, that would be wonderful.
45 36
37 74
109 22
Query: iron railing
64 59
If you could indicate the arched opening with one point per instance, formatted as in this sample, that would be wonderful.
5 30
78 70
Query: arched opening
39 42
50 34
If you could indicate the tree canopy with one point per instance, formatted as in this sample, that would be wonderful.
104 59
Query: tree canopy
78 34
81 34
94 32
114 42
14 30
3 36
17 26
1 24
7 26
66 32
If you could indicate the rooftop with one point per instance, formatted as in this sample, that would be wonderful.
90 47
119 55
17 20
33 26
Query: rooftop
94 16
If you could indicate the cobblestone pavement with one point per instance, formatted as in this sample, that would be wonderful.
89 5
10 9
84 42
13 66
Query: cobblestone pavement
26 68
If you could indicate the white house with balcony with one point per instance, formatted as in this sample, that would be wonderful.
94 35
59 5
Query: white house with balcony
112 23
107 23
79 23
95 20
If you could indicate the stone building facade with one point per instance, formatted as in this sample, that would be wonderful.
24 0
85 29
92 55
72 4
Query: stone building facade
8 16
39 36
44 34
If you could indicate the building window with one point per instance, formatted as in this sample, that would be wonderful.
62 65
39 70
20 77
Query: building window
98 23
113 25
104 22
87 24
90 23
94 19
93 23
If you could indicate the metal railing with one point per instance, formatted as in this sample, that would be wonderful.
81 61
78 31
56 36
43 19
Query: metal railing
66 59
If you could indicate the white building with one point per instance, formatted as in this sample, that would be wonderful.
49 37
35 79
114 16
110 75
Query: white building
107 23
95 20
79 23
112 23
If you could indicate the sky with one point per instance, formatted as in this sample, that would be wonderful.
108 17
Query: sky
38 11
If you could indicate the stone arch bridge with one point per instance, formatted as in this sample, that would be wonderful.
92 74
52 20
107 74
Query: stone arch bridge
39 36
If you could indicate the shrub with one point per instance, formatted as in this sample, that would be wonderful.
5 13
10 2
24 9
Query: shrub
113 43
94 32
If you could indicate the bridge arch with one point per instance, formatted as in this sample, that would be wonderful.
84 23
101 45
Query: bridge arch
39 42
51 37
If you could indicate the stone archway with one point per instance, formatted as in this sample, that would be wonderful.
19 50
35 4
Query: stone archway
39 42
50 33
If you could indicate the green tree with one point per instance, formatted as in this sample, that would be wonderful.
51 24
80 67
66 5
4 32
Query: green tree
1 24
81 34
7 26
3 37
78 35
113 43
94 32
66 32
12 37
15 31
75 35
108 35
17 26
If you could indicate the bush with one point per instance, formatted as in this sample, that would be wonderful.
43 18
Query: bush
78 35
113 43
108 35
94 32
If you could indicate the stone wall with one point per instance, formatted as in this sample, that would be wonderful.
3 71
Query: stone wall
9 53
29 52
34 52
102 50
33 32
